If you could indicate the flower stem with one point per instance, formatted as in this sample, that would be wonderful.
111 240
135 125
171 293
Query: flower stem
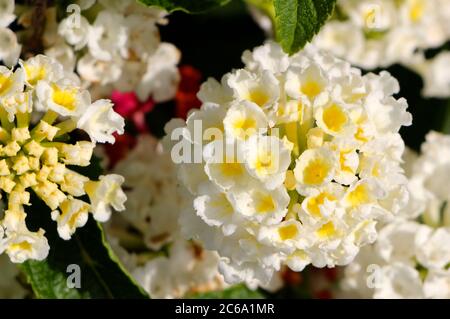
66 127
50 117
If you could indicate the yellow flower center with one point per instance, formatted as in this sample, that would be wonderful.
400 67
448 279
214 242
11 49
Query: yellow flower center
35 73
314 203
5 83
370 17
265 204
264 163
327 230
258 97
288 232
417 10
65 98
316 172
24 245
311 89
244 127
231 169
358 196
334 118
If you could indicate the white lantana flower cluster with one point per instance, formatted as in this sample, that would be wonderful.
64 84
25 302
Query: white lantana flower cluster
311 193
378 33
121 49
9 47
155 201
38 157
411 258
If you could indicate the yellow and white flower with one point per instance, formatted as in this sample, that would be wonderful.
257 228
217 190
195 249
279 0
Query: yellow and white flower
293 191
100 121
34 156
244 119
64 99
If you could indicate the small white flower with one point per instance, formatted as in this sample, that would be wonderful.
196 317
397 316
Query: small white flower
308 82
244 119
267 159
104 194
212 91
76 34
143 38
11 83
333 119
432 252
42 68
74 214
259 88
62 53
268 57
100 121
107 36
216 209
99 71
63 99
224 166
161 77
27 245
396 242
9 47
262 206
314 168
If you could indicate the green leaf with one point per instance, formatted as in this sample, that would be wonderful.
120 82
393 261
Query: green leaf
102 275
189 6
235 292
297 21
